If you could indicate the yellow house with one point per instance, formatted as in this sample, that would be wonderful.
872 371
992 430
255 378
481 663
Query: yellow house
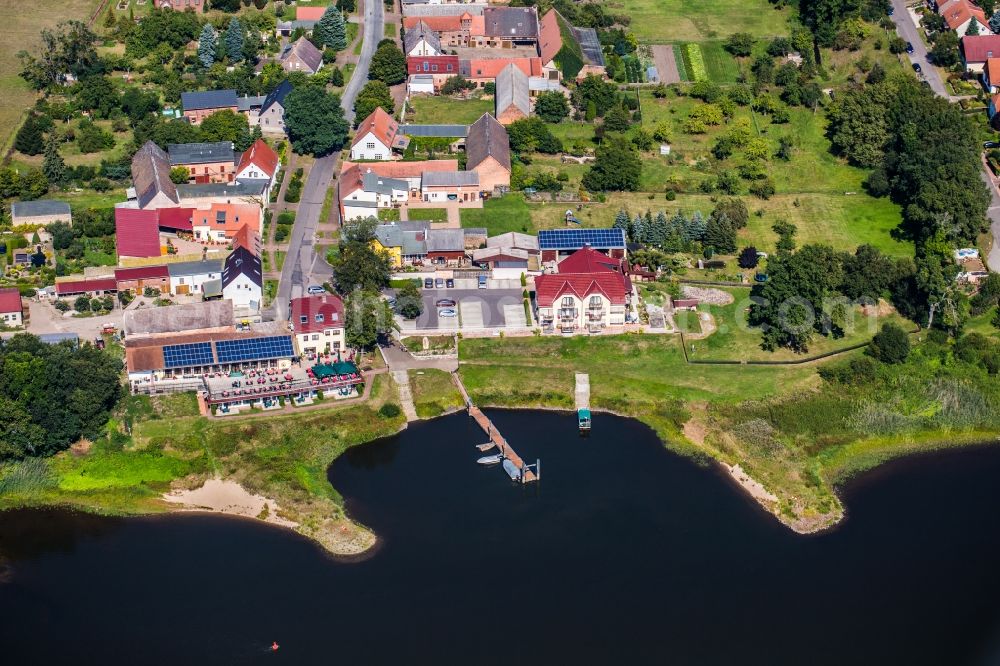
393 252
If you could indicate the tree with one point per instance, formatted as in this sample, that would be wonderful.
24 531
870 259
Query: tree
69 49
408 300
208 46
357 265
455 84
740 44
53 166
138 103
617 166
945 53
785 231
234 40
81 304
593 88
973 29
225 125
374 94
368 319
890 345
92 139
616 120
735 210
388 64
347 6
748 258
995 21
29 138
109 19
337 77
988 295
551 106
20 436
720 234
179 175
315 121
868 273
331 29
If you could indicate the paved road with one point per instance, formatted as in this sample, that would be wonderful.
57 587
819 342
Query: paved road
909 31
303 266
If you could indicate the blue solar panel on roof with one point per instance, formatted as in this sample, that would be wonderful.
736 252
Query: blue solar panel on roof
254 349
572 239
188 355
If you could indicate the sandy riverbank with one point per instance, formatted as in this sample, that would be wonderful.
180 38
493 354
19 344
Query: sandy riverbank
230 498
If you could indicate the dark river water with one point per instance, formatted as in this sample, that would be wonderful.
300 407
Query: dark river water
623 554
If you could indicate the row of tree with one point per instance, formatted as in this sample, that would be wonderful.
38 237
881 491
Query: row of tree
687 233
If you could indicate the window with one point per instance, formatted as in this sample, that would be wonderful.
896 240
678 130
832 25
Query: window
449 67
426 66
315 336
567 301
370 145
303 319
596 302
434 68
319 318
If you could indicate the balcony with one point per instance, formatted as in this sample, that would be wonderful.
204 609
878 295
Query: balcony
567 313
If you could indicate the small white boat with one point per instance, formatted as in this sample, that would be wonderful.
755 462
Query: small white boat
490 460
485 447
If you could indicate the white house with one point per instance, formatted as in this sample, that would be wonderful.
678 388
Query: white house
363 192
271 117
377 136
243 280
420 40
318 322
189 277
259 163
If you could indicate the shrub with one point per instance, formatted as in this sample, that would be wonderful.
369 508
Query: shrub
389 410
890 345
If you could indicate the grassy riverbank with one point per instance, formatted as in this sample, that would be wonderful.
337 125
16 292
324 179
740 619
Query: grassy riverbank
790 430
282 457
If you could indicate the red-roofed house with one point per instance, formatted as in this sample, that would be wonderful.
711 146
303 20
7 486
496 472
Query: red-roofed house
590 292
11 308
977 50
958 14
88 287
259 162
138 278
137 233
377 136
318 322
452 30
485 70
221 222
248 239
439 67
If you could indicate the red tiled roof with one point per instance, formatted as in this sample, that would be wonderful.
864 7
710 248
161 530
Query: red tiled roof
141 273
957 12
234 217
261 156
980 48
992 70
490 68
137 232
247 239
589 260
329 306
549 37
10 299
477 24
178 219
80 286
405 169
549 288
379 123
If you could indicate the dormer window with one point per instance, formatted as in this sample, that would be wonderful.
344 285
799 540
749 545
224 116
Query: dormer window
319 318
303 319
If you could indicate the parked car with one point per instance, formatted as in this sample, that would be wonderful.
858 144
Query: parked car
447 312
428 283
315 289
445 303
450 283
917 68
439 283
991 144
108 329
482 282
909 47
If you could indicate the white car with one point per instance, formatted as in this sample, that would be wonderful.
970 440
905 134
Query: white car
313 290
447 312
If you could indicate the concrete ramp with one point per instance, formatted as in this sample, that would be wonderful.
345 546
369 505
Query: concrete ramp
472 313
582 393
513 316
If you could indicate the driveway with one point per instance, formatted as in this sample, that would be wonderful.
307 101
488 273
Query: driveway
303 266
479 309
46 319
907 28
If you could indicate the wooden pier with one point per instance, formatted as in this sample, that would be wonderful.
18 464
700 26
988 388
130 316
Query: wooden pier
527 474
581 397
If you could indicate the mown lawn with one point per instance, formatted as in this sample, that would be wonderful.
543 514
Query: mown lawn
664 21
498 216
428 214
434 393
447 110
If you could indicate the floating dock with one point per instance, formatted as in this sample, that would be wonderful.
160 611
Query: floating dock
512 464
582 399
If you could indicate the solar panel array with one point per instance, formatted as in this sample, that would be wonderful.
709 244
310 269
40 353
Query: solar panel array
573 239
254 349
188 355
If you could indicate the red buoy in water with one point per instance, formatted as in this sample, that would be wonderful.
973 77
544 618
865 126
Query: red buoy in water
274 646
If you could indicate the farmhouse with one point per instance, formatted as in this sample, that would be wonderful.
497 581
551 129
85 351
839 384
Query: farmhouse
11 308
205 162
568 51
444 186
137 278
242 279
976 50
958 14
199 105
377 137
301 56
487 152
421 41
318 323
189 277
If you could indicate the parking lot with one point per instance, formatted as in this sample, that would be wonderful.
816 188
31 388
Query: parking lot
474 309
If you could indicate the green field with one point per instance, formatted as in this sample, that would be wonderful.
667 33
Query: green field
433 393
664 21
446 110
498 216
21 30
428 214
